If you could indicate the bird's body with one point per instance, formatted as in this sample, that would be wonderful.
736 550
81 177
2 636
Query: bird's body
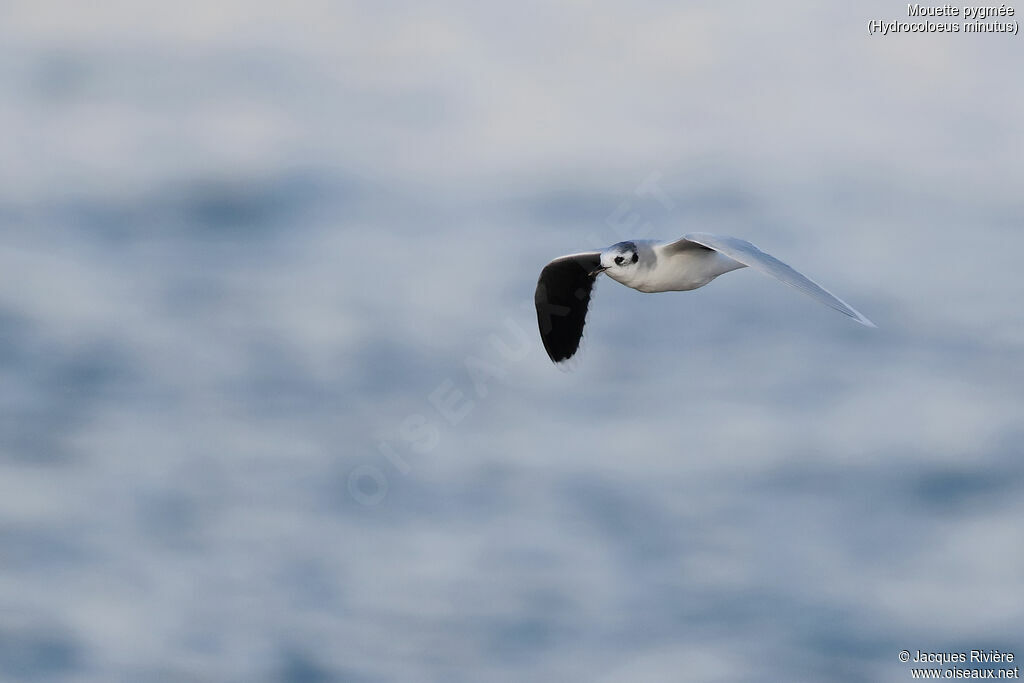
565 284
662 269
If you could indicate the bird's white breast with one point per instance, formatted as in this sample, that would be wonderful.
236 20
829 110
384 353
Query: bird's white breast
662 271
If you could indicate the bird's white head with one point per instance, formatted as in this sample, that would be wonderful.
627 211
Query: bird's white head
619 260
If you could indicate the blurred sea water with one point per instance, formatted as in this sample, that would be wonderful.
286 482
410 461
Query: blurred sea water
274 407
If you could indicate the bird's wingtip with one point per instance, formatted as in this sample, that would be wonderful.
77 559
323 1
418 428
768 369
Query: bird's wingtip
863 320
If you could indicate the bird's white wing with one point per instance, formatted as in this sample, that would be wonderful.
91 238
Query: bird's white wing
749 255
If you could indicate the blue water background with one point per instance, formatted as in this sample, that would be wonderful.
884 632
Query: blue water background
272 402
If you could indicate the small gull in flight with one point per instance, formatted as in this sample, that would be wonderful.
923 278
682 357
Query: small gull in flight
565 284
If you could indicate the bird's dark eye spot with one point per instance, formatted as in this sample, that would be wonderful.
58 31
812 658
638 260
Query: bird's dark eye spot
636 257
619 260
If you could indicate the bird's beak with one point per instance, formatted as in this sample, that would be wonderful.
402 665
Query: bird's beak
598 271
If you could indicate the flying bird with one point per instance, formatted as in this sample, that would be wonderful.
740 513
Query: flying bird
565 284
